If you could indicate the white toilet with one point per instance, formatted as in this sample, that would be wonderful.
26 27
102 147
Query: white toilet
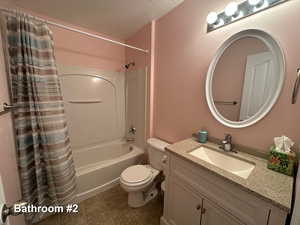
139 180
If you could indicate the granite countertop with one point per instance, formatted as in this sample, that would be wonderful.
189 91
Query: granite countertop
271 186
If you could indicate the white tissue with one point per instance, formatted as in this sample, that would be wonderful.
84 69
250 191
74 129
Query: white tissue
283 144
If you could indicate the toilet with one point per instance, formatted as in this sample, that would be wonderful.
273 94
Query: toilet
139 180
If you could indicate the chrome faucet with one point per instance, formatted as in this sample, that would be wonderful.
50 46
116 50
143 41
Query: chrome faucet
131 131
226 144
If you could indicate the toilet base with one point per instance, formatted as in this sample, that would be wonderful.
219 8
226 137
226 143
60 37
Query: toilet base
141 198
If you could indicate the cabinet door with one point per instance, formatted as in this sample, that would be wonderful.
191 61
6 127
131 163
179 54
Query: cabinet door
214 215
184 205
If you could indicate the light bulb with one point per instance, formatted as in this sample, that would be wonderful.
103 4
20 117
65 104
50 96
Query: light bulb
255 2
231 9
212 18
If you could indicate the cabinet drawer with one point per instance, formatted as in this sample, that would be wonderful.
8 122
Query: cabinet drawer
243 205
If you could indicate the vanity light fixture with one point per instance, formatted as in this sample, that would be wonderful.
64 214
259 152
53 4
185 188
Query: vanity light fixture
235 11
212 18
256 3
232 9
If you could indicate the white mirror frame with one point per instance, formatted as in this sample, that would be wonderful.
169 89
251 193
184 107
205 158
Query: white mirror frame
279 63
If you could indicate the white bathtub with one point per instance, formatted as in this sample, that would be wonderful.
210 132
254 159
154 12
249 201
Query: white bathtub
99 168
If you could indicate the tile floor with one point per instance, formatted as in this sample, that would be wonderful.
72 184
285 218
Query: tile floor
110 208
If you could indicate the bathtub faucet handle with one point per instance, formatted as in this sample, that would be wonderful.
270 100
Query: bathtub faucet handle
132 130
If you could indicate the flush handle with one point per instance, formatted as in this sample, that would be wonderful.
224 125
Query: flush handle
164 159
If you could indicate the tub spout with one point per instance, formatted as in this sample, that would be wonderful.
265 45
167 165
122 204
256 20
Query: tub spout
130 139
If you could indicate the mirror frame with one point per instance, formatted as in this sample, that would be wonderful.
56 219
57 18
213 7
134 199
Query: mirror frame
276 50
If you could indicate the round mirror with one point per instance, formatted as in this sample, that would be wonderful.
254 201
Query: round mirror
245 78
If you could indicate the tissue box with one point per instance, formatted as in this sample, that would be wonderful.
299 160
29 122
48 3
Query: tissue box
281 162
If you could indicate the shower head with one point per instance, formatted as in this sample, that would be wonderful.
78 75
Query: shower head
129 64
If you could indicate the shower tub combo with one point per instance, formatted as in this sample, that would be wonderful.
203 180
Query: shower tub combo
95 110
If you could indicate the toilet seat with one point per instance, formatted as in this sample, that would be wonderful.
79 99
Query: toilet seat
136 175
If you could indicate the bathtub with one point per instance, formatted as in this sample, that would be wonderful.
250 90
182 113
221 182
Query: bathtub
98 168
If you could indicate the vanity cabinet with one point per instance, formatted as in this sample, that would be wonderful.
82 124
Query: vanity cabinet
196 196
186 205
214 215
189 208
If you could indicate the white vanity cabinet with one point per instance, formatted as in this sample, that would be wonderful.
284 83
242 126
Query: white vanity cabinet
215 215
186 205
197 196
189 208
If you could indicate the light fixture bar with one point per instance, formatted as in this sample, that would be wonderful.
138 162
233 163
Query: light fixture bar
244 9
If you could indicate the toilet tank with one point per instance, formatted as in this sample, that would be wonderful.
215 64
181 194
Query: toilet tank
156 151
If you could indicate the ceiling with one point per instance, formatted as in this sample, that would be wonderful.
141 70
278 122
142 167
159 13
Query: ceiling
117 18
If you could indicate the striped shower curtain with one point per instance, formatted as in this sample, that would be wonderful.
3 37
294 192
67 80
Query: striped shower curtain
43 147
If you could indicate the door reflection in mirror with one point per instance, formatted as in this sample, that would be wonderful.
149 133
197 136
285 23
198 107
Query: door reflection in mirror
244 74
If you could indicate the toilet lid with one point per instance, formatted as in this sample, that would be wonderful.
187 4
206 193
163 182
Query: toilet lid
136 174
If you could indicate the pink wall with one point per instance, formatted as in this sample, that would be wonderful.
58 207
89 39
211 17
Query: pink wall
74 49
8 162
229 74
142 39
183 53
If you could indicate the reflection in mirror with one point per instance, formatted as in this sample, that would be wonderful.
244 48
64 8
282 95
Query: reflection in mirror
244 79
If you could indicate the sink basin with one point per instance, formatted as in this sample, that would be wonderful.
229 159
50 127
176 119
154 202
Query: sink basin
231 164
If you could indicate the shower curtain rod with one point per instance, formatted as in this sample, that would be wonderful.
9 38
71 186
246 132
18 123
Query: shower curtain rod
81 32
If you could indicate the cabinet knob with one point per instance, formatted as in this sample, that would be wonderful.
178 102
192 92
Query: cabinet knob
198 207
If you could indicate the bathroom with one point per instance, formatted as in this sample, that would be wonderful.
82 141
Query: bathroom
135 127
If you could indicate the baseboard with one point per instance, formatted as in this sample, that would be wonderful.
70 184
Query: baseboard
90 193
163 221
